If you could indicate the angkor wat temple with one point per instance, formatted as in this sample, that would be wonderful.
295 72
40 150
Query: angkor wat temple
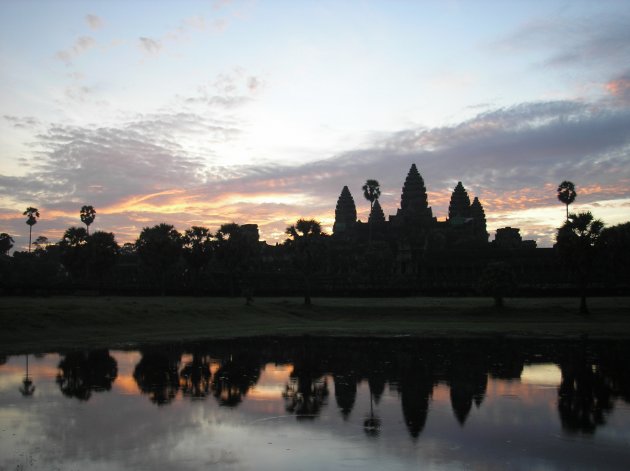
409 253
414 223
437 255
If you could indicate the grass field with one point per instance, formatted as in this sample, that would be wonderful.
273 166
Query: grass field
31 325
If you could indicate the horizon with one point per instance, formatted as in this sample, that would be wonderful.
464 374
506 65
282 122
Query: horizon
202 113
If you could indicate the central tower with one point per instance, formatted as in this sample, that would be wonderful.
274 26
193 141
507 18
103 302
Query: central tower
414 205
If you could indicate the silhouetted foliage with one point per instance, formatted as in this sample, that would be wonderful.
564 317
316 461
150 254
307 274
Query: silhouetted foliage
6 243
195 376
576 243
497 281
307 390
614 250
74 253
81 373
159 249
198 251
304 243
87 214
157 374
41 243
238 252
102 250
234 379
584 395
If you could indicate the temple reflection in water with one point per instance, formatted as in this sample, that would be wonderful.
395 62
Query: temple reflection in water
472 394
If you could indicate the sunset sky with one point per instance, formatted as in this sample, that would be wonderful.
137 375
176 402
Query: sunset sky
207 112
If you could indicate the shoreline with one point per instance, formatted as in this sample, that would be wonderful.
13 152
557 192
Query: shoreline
40 325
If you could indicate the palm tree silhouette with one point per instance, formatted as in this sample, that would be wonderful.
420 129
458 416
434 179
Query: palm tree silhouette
576 241
31 219
304 233
28 388
371 192
88 214
567 194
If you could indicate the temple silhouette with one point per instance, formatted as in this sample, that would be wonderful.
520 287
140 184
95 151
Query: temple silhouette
415 236
414 222
407 253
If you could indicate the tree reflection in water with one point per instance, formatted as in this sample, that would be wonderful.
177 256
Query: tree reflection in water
235 378
28 388
157 374
585 394
307 390
81 373
195 376
594 375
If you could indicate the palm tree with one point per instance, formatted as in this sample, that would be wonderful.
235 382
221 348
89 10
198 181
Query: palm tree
576 241
88 214
28 388
73 252
567 194
371 192
31 219
303 235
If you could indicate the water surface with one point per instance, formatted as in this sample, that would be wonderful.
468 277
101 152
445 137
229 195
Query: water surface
313 404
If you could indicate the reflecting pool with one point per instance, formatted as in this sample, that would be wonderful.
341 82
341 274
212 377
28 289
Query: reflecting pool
312 403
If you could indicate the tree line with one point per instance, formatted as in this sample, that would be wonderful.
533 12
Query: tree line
162 258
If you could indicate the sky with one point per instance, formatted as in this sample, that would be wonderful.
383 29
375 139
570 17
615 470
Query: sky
200 113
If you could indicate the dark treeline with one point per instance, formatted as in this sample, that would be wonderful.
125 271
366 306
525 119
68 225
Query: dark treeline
411 253
594 374
232 261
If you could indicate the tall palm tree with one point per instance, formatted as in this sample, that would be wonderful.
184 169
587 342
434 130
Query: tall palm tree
31 219
576 241
303 235
88 214
567 194
371 192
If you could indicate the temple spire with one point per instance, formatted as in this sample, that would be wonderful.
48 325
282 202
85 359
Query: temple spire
345 212
376 215
459 206
414 206
479 219
414 193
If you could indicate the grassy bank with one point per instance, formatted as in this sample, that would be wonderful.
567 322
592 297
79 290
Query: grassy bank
59 323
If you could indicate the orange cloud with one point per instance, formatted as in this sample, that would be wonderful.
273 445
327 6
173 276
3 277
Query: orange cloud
618 87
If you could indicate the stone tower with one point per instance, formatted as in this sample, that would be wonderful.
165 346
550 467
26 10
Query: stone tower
479 220
414 206
345 212
377 216
459 206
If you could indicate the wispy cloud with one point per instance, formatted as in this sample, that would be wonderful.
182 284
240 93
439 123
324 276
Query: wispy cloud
149 45
94 22
566 41
27 122
80 46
